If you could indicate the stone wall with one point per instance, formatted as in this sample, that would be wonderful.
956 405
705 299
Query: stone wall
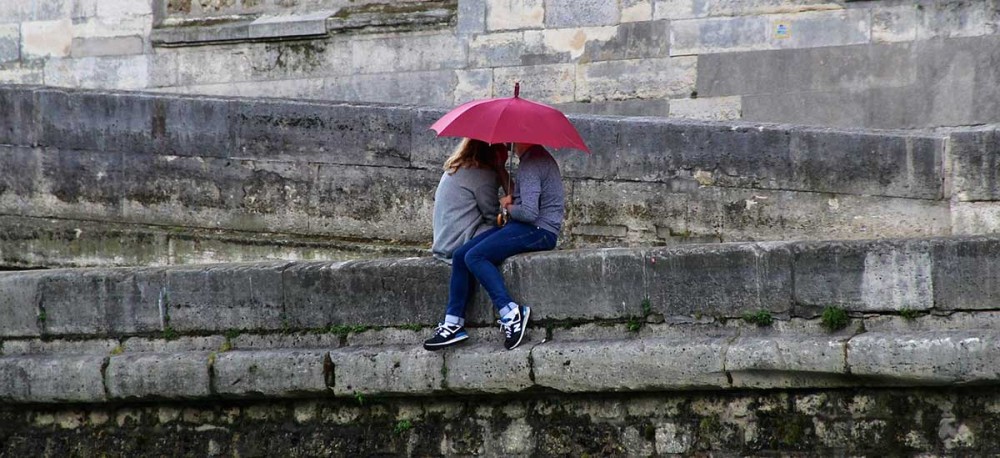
114 178
742 348
891 422
883 64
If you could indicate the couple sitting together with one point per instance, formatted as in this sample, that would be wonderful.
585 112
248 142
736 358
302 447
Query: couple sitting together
467 234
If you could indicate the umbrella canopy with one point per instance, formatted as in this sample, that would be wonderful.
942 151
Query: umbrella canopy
510 120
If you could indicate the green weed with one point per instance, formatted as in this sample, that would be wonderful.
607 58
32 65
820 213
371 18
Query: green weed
834 318
760 318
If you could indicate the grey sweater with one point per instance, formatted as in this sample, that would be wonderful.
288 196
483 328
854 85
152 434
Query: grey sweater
465 205
538 191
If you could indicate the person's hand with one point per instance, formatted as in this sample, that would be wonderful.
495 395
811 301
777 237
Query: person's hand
506 201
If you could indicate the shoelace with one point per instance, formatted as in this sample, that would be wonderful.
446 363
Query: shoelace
443 331
509 328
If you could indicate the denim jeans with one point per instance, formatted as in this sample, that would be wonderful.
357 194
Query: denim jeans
480 258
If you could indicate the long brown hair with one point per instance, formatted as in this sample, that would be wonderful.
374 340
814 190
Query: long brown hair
470 153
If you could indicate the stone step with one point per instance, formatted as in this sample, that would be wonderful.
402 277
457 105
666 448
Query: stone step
661 358
674 284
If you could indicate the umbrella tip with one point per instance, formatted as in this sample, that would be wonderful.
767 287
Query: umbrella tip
517 89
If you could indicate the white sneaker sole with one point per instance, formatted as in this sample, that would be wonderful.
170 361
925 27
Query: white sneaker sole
447 343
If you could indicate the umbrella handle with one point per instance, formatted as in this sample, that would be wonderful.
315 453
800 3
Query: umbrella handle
502 217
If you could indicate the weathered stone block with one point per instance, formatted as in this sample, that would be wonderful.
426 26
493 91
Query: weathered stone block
10 43
974 218
373 203
787 361
515 14
389 54
682 9
177 344
159 375
427 150
117 72
630 365
17 189
207 192
641 78
386 370
719 280
289 25
18 11
518 48
95 121
471 17
81 184
601 136
549 282
102 301
740 33
966 274
709 109
52 378
337 134
636 40
867 163
660 151
286 341
101 347
575 13
20 297
200 34
20 121
473 85
974 164
106 46
943 357
276 373
825 69
430 88
635 107
544 83
894 24
225 297
377 292
636 10
194 126
485 368
824 108
43 39
864 276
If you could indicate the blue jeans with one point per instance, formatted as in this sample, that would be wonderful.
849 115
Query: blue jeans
480 258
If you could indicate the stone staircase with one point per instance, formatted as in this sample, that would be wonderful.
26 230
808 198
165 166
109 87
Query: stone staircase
697 317
642 342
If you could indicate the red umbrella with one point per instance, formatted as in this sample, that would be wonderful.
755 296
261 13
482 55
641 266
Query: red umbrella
510 120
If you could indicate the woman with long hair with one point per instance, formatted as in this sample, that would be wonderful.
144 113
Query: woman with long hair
466 202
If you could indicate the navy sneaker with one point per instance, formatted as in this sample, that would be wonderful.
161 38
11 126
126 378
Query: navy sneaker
446 335
515 327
